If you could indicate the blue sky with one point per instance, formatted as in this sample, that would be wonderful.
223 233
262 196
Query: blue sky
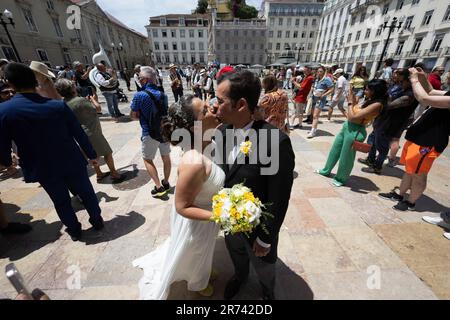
135 13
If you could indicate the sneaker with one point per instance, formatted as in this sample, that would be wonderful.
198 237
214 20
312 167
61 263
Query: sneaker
312 134
394 196
437 221
405 206
166 185
298 126
365 161
336 183
371 170
392 163
159 192
447 235
320 172
207 292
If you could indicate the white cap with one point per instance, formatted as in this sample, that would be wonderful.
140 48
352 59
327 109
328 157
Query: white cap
338 71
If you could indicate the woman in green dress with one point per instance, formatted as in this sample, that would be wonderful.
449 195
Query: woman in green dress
87 116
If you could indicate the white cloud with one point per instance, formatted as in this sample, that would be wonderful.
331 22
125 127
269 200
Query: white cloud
135 13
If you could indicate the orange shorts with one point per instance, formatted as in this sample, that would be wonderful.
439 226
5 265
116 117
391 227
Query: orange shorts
417 159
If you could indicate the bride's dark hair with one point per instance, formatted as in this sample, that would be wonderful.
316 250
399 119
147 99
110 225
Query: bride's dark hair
180 116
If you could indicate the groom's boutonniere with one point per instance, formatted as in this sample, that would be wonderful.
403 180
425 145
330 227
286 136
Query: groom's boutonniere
246 147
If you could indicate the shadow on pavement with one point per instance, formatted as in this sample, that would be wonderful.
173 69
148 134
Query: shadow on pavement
289 286
133 179
16 247
362 185
116 228
427 204
392 172
77 205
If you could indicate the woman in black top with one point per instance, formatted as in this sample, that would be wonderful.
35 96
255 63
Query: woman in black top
428 136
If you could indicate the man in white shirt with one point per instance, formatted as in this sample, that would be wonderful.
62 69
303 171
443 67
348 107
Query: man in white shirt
287 82
340 93
108 86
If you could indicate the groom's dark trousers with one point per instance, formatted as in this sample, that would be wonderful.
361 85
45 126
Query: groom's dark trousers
273 190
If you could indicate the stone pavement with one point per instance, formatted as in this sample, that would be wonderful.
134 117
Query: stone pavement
342 243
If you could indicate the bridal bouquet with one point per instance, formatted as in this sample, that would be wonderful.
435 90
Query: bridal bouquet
237 210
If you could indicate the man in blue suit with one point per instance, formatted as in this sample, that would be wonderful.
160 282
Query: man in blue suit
48 138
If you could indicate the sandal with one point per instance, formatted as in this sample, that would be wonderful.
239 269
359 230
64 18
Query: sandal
101 178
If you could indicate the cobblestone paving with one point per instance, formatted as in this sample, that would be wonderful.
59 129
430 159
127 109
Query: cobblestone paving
333 245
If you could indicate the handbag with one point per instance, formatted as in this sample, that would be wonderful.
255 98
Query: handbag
361 146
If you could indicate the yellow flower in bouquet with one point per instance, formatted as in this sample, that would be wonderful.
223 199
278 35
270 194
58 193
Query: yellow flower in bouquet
246 147
237 210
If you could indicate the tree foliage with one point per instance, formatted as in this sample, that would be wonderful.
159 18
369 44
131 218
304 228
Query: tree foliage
241 10
202 6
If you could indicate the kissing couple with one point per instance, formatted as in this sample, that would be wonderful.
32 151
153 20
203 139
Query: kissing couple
187 255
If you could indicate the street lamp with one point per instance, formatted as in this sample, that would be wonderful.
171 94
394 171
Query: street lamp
8 15
396 24
299 48
119 48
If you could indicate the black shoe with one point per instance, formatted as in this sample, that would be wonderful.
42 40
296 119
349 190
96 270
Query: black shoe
74 235
121 115
405 206
307 120
159 192
232 288
394 196
16 228
371 169
98 225
166 185
365 161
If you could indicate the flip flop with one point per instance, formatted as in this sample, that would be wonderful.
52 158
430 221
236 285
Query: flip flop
99 179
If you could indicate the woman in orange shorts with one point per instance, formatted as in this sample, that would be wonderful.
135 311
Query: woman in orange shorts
426 139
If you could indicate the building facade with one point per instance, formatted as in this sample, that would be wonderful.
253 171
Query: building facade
240 41
292 25
351 33
44 32
179 38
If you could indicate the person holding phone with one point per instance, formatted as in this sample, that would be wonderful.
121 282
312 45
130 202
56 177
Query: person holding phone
426 139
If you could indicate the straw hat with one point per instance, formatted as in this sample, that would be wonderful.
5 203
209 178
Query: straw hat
172 66
41 68
338 71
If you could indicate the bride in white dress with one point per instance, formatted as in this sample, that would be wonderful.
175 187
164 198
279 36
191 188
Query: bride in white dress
187 254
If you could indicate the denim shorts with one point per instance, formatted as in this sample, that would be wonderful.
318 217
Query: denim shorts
322 102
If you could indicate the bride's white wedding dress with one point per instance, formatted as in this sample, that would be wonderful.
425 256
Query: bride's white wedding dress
187 254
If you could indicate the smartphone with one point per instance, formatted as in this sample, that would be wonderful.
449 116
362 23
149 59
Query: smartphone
16 280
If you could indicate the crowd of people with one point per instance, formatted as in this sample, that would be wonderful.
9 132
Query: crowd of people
43 115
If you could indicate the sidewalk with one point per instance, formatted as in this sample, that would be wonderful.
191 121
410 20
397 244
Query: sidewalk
342 243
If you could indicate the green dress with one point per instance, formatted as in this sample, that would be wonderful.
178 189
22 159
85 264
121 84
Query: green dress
87 116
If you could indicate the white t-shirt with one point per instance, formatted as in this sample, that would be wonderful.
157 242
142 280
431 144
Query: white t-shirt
289 74
341 83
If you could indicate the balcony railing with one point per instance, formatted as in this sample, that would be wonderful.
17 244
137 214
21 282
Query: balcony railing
429 53
412 54
361 5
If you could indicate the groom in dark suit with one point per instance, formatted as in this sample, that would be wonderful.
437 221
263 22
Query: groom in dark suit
237 99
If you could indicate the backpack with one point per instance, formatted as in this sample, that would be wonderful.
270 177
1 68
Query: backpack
155 121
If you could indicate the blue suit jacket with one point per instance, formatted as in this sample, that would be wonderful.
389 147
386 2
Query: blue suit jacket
46 133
